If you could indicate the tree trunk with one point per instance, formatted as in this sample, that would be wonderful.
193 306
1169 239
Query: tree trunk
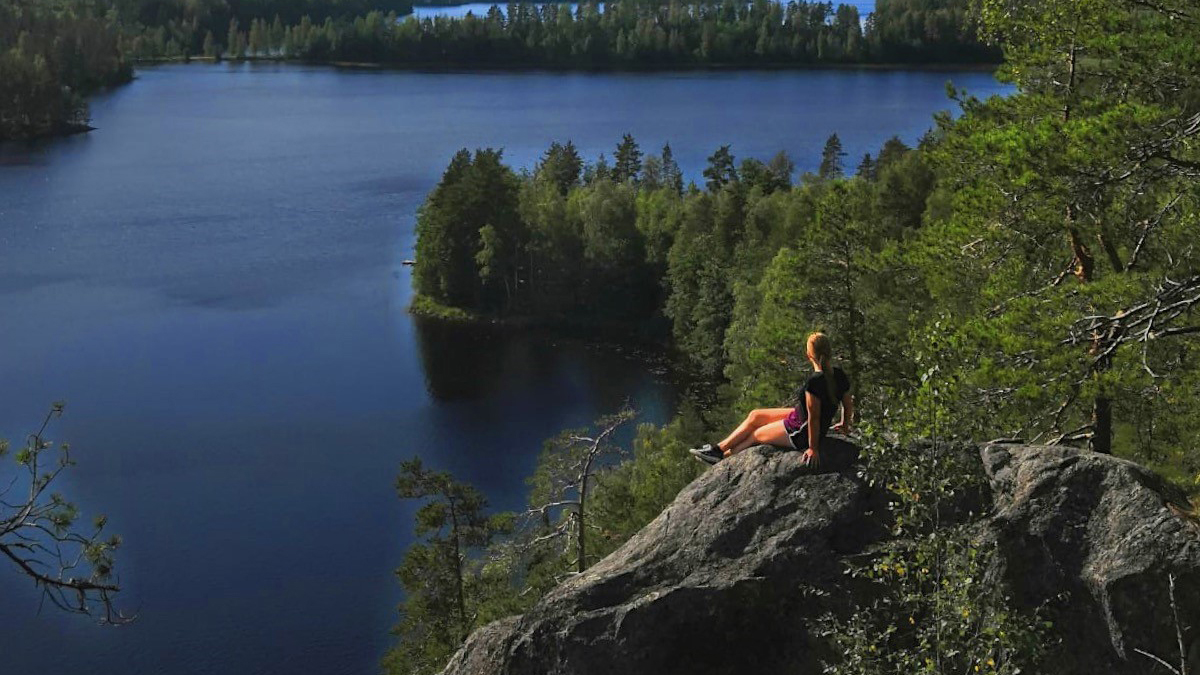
1102 425
579 521
583 491
532 275
1101 440
852 324
462 603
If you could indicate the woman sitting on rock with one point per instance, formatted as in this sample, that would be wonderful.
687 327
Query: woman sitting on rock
789 427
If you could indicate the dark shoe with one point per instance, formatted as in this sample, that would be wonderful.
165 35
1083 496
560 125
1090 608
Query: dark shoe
708 453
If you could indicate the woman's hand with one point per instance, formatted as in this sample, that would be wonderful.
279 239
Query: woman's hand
842 428
811 458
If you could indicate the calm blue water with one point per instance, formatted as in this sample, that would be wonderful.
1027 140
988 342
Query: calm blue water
212 281
481 9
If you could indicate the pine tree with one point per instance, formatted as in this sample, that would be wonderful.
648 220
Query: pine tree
782 167
866 168
209 49
438 611
563 483
1071 198
831 159
652 173
232 39
628 161
672 176
561 165
256 43
720 171
893 149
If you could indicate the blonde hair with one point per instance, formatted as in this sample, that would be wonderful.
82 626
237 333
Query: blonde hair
821 349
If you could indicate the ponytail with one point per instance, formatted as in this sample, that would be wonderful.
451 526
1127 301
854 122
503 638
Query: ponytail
821 349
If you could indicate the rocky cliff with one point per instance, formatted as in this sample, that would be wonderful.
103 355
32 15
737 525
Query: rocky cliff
734 574
1093 540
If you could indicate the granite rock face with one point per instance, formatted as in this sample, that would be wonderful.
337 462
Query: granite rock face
721 582
733 575
1092 540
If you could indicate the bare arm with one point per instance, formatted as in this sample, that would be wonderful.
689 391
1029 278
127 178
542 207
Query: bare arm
843 426
814 425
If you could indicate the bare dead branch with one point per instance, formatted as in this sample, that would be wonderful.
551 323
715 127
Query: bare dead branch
574 464
1148 226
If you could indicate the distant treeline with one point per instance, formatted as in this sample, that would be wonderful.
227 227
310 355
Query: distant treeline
52 55
181 28
50 58
622 35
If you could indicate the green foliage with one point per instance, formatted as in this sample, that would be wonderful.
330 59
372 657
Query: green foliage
929 601
444 587
157 29
423 305
603 249
1028 270
1059 258
720 171
563 485
51 56
936 613
628 158
72 565
553 243
477 194
583 503
635 491
635 34
831 159
561 166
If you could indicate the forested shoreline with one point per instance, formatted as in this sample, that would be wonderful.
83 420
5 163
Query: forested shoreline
632 35
52 56
1028 270
50 60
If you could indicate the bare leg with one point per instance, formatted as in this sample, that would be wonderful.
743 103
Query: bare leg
738 440
769 434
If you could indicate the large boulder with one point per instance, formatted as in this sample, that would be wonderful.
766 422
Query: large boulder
1092 540
727 579
735 574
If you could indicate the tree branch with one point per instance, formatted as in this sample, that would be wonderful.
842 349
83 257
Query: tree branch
37 536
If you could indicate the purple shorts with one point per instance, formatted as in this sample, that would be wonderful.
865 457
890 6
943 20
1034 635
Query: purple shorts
797 431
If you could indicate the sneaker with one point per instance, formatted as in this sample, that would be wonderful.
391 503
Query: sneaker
708 453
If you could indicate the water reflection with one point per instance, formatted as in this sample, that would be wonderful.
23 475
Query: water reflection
464 363
489 364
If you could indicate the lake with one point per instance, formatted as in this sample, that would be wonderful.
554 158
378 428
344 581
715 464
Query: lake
212 280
